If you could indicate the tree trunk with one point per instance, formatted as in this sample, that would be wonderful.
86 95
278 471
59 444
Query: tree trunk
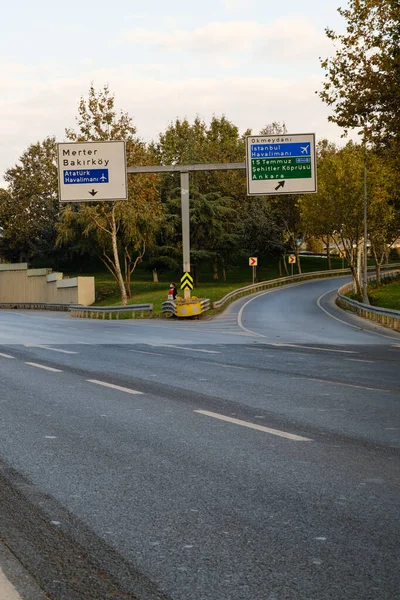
215 271
155 276
378 273
356 281
118 272
280 267
285 265
328 252
297 255
224 273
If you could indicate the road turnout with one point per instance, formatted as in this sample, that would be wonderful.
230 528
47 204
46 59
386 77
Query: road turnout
252 456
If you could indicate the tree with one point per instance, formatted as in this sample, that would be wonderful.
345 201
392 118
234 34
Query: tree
121 231
362 80
318 210
383 212
29 207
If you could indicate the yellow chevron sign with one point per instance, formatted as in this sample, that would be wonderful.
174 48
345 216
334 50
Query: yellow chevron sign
187 282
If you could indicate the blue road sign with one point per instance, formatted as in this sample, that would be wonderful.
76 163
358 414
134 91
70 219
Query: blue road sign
91 176
276 150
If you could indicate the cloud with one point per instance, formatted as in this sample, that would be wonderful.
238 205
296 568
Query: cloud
31 109
292 36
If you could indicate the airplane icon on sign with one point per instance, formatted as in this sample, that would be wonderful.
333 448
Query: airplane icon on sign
304 149
103 177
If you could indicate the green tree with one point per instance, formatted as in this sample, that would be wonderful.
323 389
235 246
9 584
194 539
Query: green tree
362 80
29 207
318 210
121 231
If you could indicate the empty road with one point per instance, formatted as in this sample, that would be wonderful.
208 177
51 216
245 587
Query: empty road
253 456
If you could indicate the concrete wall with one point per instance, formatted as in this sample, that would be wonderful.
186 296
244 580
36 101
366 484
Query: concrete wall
20 284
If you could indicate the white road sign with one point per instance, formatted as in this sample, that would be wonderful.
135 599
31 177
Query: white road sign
281 164
92 171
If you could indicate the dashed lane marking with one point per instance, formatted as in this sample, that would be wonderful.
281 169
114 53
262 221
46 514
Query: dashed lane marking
310 347
144 352
283 434
184 348
114 387
352 385
37 365
50 348
360 360
6 355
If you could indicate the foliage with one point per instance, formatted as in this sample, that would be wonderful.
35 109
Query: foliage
29 207
362 80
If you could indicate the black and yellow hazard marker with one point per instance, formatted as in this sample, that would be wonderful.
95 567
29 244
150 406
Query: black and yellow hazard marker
186 282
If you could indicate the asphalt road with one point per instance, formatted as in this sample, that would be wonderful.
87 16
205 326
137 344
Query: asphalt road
254 456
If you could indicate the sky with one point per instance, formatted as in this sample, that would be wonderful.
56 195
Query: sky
255 61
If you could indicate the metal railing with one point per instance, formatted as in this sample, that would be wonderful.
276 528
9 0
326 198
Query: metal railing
385 316
272 283
93 312
34 305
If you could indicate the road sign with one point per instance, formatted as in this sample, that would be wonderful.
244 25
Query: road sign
253 261
187 282
281 164
92 171
342 254
292 259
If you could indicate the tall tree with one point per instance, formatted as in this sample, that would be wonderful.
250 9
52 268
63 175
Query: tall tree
362 80
29 207
120 230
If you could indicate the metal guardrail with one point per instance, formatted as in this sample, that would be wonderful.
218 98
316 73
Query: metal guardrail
385 316
172 307
272 283
95 311
34 305
169 307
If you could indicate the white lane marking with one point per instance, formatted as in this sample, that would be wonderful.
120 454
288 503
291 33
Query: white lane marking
6 355
240 313
50 348
151 353
360 360
310 347
284 434
352 385
114 387
217 364
359 327
185 348
395 345
44 367
50 437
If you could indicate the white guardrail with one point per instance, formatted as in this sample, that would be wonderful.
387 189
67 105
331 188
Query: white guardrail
97 311
385 316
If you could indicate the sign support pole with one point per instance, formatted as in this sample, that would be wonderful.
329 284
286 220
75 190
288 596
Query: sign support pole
185 226
365 269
